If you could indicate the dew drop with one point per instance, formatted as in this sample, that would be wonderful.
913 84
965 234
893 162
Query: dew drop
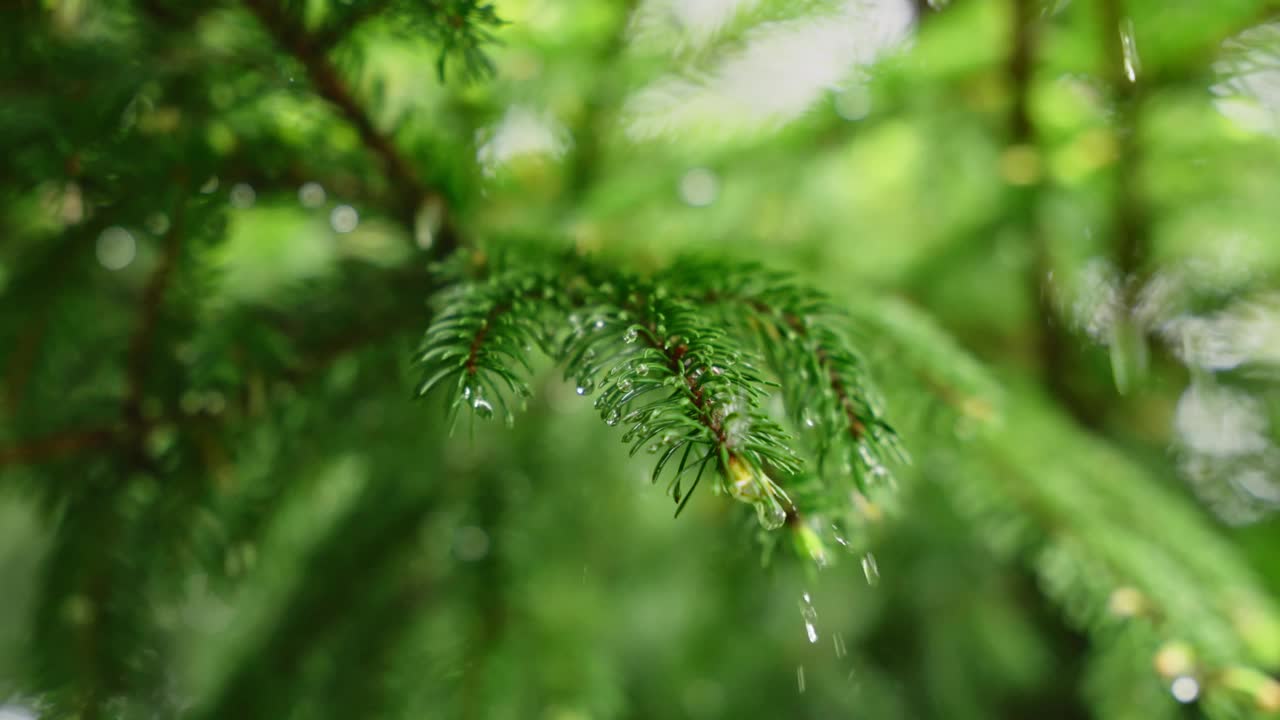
630 336
624 384
482 408
612 418
585 387
808 418
642 369
870 569
509 419
599 325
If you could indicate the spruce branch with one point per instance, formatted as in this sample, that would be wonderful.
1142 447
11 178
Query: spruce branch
827 388
671 366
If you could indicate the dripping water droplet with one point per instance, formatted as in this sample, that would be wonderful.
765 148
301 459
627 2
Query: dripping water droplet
800 678
838 640
612 418
810 615
770 514
870 569
483 408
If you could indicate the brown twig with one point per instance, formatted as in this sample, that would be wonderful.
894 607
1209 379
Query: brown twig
55 446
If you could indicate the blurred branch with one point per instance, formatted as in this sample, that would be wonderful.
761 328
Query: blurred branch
55 446
1131 228
309 50
327 37
140 345
1053 345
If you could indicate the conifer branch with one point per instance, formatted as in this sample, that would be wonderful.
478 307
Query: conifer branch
683 385
826 384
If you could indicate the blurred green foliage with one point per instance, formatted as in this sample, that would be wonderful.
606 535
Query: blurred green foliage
1052 226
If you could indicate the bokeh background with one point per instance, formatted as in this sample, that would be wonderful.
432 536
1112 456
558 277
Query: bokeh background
1053 224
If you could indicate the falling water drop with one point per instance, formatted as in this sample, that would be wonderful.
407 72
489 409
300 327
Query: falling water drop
810 615
800 678
838 640
585 386
1132 65
870 569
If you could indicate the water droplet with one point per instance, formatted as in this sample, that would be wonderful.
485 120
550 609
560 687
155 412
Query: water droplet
242 195
599 324
770 513
699 187
1132 64
344 219
870 569
808 418
624 384
612 418
311 195
837 639
642 369
509 419
716 370
470 543
630 336
810 615
116 248
466 393
157 223
482 408
1185 689
800 678
585 387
